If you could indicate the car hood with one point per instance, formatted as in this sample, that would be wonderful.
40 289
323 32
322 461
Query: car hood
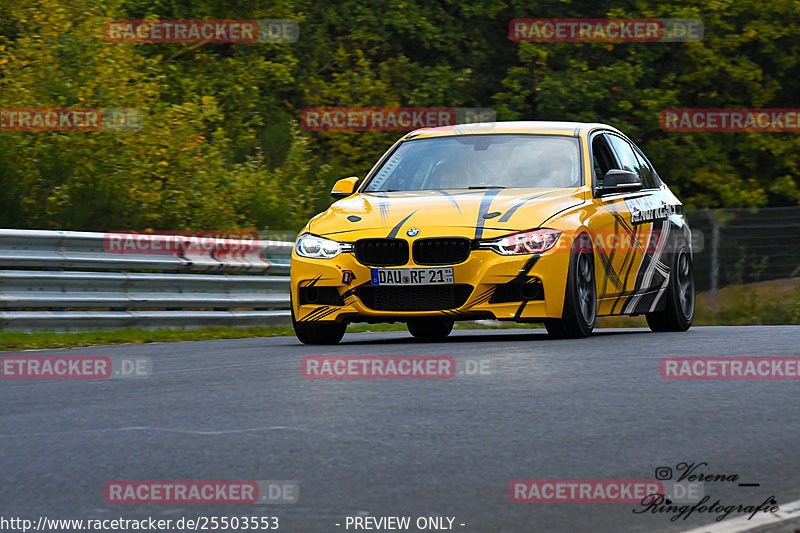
479 213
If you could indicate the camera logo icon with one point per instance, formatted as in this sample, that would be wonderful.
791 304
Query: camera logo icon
663 473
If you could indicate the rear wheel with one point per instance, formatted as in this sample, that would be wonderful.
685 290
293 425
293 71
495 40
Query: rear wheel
580 302
678 311
318 332
430 329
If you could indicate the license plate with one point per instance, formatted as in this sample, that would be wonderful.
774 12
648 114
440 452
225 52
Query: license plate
412 276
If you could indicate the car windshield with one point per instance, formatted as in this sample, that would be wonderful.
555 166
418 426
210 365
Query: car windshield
481 161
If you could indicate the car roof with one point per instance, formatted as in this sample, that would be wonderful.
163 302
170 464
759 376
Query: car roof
573 129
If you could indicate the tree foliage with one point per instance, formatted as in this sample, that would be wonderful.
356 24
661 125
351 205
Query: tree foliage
221 148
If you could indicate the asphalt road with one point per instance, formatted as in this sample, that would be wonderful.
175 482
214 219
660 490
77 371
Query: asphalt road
241 410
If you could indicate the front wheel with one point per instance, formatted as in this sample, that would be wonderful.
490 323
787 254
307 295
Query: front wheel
580 302
430 329
678 310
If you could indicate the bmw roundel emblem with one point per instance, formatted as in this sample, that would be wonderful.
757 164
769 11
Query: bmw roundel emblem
413 232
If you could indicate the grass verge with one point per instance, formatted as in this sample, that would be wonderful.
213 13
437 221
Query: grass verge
772 302
12 340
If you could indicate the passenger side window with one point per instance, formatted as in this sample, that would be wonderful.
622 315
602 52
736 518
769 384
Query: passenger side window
630 160
625 155
602 159
647 172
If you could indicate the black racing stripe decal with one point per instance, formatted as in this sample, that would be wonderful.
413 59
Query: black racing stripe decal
630 254
516 206
646 260
609 264
604 262
661 277
323 315
621 221
522 275
637 284
393 233
310 316
313 281
486 203
317 311
483 297
452 201
383 207
646 302
351 292
607 261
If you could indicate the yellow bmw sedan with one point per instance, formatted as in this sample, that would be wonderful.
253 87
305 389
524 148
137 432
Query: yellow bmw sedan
553 222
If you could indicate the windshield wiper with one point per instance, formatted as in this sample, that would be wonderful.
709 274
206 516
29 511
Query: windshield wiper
486 187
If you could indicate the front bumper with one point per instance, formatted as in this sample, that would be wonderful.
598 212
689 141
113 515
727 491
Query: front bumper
485 276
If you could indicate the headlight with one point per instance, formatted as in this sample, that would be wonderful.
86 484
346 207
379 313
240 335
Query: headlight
526 242
309 245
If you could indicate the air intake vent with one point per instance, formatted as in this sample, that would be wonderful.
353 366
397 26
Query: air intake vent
416 298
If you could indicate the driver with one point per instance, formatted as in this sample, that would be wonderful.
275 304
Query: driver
556 171
449 175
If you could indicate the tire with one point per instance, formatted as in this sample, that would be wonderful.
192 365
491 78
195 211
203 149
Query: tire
432 329
318 332
678 311
580 300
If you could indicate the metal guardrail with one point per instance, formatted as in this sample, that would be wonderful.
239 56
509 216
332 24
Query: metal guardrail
76 280
65 280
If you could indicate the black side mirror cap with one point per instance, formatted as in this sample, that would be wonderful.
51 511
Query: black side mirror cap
618 181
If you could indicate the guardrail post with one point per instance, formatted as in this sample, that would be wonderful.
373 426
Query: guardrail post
714 262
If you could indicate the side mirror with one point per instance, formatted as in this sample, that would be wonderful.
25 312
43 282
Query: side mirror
344 187
617 181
